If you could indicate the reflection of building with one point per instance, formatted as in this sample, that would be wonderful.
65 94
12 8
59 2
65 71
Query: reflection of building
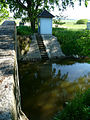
45 71
45 22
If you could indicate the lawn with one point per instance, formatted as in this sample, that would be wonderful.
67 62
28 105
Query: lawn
71 24
74 39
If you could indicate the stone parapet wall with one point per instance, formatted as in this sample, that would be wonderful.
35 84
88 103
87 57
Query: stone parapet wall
7 60
10 107
53 48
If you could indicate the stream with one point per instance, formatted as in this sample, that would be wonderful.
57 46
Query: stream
47 86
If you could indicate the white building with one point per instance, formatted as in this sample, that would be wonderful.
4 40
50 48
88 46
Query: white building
88 25
45 22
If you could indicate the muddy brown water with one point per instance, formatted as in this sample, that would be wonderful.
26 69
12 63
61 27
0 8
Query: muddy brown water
45 87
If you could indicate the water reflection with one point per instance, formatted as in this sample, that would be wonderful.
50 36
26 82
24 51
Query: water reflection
46 87
74 71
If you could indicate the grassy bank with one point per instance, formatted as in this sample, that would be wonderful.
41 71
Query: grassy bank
73 42
77 109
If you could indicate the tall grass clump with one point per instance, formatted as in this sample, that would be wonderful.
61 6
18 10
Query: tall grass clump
73 42
77 109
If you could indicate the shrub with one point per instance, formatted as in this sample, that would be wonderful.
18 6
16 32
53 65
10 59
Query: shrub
77 109
24 30
82 21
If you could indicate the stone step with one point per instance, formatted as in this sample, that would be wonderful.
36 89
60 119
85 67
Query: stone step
42 47
43 54
40 44
40 40
43 51
44 58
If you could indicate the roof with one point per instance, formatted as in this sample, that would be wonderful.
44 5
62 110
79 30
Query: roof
45 14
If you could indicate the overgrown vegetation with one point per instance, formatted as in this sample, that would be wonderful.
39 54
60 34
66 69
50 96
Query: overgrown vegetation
24 30
4 13
82 21
24 44
73 42
77 109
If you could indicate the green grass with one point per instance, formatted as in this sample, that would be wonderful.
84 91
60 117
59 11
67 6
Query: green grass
74 26
77 109
73 42
71 24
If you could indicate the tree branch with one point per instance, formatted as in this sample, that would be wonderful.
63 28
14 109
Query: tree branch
21 4
38 3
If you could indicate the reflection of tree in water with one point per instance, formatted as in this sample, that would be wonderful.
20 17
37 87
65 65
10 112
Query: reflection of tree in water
83 82
45 92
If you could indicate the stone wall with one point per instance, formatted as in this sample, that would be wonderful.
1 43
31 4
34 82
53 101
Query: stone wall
53 48
10 106
33 54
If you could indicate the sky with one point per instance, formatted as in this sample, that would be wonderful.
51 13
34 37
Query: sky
78 12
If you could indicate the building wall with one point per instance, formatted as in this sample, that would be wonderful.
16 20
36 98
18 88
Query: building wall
88 25
45 25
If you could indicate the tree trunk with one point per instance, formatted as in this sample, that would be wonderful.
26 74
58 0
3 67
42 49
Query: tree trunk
33 25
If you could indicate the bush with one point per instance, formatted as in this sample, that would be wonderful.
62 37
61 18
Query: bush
82 21
24 30
77 109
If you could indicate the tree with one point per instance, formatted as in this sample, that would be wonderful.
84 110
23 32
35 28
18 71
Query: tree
3 10
29 9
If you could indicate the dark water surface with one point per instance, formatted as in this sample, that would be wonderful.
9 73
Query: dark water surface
45 87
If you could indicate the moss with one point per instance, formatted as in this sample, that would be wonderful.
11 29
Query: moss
24 43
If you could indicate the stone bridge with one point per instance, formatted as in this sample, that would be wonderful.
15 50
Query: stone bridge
10 104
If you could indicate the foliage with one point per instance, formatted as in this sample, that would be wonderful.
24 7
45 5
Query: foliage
24 43
73 42
77 109
24 30
82 21
28 10
3 10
